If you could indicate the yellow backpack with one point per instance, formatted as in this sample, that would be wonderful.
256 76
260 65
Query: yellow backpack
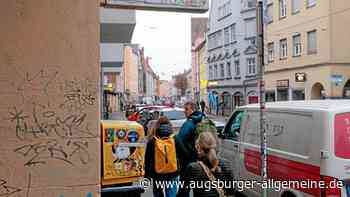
165 155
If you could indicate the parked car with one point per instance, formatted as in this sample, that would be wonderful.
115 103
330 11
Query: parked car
177 118
307 140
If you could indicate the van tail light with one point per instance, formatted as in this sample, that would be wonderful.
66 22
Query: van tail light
331 189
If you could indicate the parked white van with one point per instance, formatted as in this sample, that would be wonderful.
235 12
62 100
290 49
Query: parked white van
307 141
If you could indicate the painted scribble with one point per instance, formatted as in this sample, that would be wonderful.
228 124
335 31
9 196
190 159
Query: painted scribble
54 129
42 152
78 94
7 190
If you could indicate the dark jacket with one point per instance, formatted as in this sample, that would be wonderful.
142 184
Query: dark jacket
186 139
150 171
194 172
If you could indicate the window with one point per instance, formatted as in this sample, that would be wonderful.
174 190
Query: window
215 71
218 38
237 68
295 6
233 32
270 13
228 69
311 3
270 96
283 8
311 42
233 127
251 3
283 48
250 28
282 95
227 35
251 66
222 71
210 72
270 52
296 45
220 12
298 95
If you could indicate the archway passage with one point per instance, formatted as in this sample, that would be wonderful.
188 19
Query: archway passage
317 91
253 97
238 99
346 90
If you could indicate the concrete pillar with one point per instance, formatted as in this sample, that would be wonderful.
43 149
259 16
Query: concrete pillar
49 106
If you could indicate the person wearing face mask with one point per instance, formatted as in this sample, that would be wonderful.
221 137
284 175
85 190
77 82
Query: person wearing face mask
208 168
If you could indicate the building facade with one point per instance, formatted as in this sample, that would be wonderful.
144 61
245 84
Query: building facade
116 29
203 77
307 57
232 54
199 28
131 71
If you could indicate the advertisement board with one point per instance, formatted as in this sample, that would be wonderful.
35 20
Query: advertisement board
123 151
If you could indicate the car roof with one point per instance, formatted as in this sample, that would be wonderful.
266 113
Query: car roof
319 105
171 109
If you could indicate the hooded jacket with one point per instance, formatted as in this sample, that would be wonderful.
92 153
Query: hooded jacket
186 139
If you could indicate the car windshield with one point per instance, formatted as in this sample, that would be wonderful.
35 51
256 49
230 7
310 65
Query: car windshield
174 115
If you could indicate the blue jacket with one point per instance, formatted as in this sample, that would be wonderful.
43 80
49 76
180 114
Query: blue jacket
186 139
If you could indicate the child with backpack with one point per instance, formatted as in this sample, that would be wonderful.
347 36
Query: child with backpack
161 159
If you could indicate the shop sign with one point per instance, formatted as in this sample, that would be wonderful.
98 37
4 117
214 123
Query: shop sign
282 83
213 83
300 77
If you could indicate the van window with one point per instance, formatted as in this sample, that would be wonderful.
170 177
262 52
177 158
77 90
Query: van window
234 125
342 135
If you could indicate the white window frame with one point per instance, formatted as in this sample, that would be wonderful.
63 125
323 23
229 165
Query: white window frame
296 6
227 35
282 8
211 72
215 71
313 50
228 69
251 65
222 70
233 32
283 48
271 52
251 3
311 3
237 68
270 13
297 46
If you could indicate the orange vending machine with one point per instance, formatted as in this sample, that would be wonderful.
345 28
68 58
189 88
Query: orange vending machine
123 147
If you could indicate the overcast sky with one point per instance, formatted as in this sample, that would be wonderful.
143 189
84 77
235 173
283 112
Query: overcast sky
166 37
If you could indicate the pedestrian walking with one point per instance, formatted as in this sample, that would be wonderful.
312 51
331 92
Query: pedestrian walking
161 162
208 168
203 105
186 137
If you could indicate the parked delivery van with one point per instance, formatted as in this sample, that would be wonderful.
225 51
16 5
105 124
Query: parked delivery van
308 141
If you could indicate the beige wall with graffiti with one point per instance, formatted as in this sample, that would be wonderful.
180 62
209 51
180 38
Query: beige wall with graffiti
49 106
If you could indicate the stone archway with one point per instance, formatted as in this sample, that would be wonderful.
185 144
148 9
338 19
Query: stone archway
317 91
253 97
238 99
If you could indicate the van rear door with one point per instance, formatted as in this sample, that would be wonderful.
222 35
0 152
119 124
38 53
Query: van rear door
341 142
